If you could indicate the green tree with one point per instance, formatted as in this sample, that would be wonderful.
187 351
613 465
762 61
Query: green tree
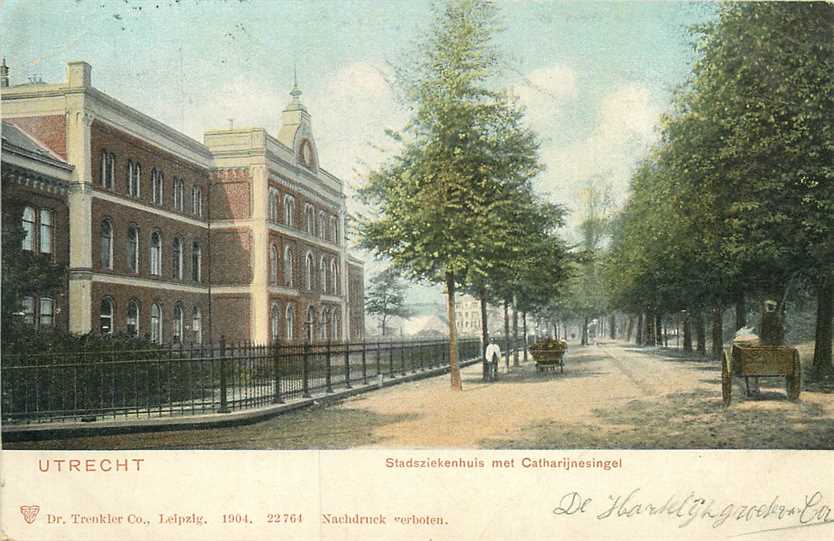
437 202
386 298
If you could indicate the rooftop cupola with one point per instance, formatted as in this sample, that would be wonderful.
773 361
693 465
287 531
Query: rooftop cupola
296 130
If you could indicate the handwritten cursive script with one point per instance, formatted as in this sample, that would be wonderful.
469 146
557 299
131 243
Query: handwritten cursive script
809 510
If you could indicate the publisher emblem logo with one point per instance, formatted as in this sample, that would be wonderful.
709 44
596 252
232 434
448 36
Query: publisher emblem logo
29 512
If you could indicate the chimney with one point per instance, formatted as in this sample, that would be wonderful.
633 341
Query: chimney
4 74
79 75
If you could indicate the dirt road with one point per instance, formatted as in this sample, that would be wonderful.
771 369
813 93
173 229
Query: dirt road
610 396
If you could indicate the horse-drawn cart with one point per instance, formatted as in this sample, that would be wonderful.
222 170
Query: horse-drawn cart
753 361
549 354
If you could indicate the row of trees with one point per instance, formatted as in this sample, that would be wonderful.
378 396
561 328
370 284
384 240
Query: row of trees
456 205
736 201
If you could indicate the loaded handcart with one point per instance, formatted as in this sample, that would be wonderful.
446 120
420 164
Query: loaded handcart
549 354
754 361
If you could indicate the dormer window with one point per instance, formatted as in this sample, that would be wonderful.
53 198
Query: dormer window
306 154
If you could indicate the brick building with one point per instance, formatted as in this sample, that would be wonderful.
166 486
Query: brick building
240 236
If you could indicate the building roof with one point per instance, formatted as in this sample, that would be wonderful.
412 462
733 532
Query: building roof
19 142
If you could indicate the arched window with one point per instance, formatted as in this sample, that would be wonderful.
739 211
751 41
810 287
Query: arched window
334 273
322 275
334 230
156 324
179 316
196 201
290 322
177 258
106 244
108 169
133 249
288 267
28 224
309 219
336 326
46 231
196 262
310 323
273 205
275 321
157 182
273 264
133 318
322 224
197 324
179 193
105 316
289 210
134 179
156 253
324 319
308 271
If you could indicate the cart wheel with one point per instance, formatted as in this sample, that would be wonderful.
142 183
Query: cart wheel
793 383
726 380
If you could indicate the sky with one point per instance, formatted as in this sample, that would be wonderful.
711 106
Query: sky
595 76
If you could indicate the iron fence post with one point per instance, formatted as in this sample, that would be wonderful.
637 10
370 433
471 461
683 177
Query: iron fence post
402 358
364 364
224 406
305 371
378 360
347 366
327 373
276 368
390 360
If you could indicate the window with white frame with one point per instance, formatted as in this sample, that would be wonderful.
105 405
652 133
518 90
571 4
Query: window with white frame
133 318
47 312
290 322
157 183
105 316
310 323
289 265
133 248
179 193
275 322
29 310
134 178
334 273
156 253
177 258
309 219
156 324
197 324
322 275
308 271
289 210
108 169
334 230
273 264
178 321
28 224
336 325
46 230
196 262
196 201
106 244
273 205
323 318
322 231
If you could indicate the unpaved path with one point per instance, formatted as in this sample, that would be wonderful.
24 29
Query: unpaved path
610 396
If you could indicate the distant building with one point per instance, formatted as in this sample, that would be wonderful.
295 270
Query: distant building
468 316
242 235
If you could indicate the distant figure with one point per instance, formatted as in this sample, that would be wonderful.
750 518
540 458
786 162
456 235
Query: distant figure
492 355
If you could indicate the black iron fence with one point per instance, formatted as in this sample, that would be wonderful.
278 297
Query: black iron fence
91 386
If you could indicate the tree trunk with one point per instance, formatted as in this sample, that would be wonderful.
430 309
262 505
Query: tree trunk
701 332
383 325
687 333
648 333
506 335
629 328
584 340
639 336
515 332
741 311
612 331
658 328
555 331
484 325
454 371
823 335
717 331
524 330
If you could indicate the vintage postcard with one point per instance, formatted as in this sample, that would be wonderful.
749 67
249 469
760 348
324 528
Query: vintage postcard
416 270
